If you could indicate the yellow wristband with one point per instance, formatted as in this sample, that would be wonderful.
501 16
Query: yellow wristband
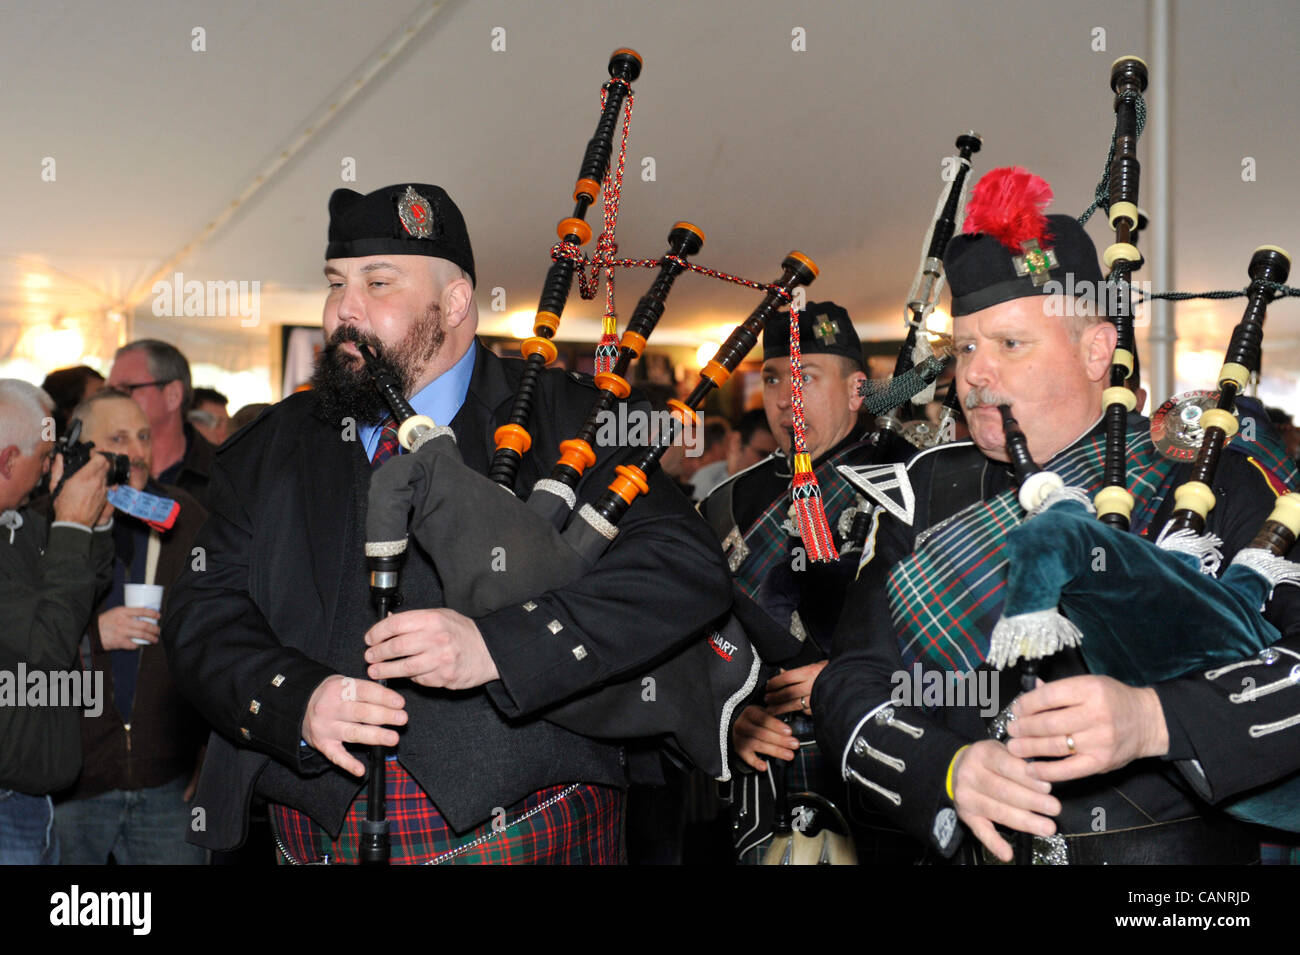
948 782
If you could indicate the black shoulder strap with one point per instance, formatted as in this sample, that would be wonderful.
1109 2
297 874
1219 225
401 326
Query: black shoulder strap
717 509
957 481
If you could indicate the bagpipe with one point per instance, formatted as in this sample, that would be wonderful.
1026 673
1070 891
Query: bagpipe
917 366
1160 611
460 516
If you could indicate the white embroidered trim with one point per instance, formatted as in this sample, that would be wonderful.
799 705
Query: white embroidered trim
427 435
1032 636
1204 547
1276 570
1076 494
877 480
1263 729
601 526
438 860
844 758
889 794
1255 692
732 702
559 489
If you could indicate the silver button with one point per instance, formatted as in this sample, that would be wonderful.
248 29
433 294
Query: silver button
580 652
1268 656
530 606
277 680
255 707
244 733
555 626
859 746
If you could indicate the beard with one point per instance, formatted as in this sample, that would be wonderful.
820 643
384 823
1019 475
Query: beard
345 388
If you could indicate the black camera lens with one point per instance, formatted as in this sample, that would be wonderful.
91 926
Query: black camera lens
119 468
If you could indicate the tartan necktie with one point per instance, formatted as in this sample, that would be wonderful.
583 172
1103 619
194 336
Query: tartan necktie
387 445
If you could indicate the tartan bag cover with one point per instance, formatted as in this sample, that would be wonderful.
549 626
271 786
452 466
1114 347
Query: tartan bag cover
946 597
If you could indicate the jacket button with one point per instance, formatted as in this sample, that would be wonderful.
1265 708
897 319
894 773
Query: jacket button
244 733
255 707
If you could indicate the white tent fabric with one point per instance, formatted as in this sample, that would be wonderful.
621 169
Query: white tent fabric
133 126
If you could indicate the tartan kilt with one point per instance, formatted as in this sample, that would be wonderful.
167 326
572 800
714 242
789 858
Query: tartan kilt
572 824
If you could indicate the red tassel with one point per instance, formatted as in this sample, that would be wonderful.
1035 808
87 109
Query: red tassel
811 514
606 354
607 348
1008 205
804 490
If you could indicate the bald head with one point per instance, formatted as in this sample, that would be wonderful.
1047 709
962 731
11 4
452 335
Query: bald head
116 424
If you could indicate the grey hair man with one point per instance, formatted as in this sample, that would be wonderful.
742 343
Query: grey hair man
50 574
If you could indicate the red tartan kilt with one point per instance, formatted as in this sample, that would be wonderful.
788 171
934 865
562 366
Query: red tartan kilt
573 824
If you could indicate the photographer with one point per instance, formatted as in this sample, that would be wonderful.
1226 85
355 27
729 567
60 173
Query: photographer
49 577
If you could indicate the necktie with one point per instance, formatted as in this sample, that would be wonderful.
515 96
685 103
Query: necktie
387 445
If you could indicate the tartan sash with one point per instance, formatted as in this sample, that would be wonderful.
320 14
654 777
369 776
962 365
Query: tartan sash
768 541
946 597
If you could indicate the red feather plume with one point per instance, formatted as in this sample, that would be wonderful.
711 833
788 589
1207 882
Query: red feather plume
1008 205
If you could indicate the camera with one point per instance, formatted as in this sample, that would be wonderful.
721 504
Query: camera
76 453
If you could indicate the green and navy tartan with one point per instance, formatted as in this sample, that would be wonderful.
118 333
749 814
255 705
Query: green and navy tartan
946 597
768 540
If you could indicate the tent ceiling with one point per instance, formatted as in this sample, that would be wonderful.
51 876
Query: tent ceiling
835 150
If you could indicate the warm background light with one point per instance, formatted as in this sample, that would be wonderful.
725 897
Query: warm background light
242 387
521 323
705 353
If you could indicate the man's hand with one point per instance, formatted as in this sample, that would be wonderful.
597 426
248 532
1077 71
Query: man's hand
790 690
989 786
84 497
756 732
439 648
1111 725
119 625
346 710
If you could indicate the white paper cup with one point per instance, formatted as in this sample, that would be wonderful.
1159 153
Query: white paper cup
144 595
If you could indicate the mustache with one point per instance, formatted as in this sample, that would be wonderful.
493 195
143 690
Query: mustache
977 397
349 333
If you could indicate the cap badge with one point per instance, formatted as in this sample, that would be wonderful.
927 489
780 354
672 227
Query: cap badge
416 214
1035 263
825 331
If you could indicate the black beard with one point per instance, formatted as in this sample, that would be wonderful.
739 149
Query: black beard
344 387
342 384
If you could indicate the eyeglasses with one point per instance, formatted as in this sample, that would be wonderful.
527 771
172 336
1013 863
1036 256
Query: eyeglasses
130 389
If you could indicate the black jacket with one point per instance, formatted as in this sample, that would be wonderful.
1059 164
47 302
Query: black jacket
49 579
1203 724
164 733
284 602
